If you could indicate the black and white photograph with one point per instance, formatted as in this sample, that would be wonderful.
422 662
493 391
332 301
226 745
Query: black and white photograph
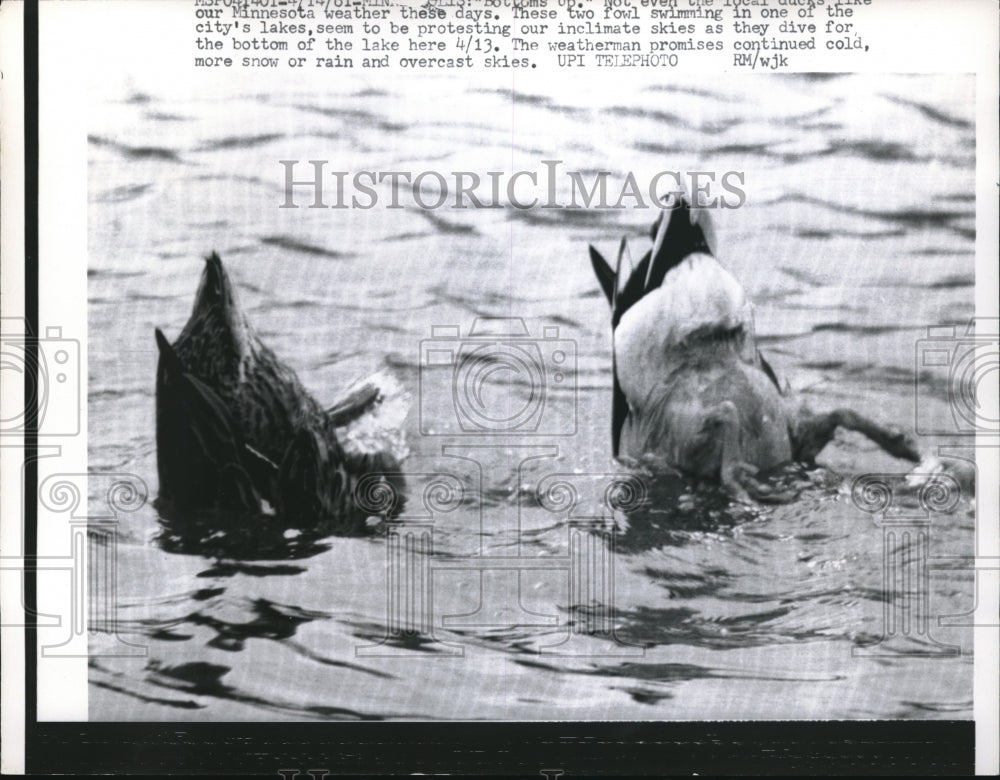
509 394
291 383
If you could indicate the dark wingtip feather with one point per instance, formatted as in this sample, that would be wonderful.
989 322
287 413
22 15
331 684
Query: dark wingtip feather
603 271
655 227
770 373
619 412
168 357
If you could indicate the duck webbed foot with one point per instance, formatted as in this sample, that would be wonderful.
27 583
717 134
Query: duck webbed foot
359 401
736 477
812 432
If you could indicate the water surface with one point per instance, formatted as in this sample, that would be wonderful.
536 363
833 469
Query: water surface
857 234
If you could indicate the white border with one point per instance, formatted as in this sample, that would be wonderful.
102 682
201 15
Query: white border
925 36
64 40
11 394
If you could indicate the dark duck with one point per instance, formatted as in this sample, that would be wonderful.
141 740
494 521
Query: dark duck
692 392
236 430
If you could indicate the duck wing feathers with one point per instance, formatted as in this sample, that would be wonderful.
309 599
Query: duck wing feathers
202 457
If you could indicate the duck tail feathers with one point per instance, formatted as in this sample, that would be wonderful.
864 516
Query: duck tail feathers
681 231
215 272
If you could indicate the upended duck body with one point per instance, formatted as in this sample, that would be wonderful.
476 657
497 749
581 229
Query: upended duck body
235 428
691 389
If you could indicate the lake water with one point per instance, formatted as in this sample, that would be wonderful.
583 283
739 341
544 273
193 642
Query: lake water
504 594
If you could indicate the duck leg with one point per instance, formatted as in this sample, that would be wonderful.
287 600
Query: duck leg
358 402
812 432
733 470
